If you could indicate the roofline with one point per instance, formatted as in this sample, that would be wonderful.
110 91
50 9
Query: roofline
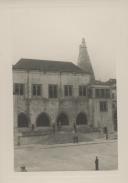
39 70
32 59
44 60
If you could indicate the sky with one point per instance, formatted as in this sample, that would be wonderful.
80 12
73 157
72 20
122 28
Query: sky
53 31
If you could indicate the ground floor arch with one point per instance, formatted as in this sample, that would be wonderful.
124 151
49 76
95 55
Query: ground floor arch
81 119
23 120
62 119
43 120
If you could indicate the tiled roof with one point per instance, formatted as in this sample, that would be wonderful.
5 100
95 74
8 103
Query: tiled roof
46 65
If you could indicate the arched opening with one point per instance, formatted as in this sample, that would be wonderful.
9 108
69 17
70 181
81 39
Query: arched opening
62 120
81 119
42 120
23 120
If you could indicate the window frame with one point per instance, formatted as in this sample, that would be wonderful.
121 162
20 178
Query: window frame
103 106
90 92
68 90
19 89
36 90
82 90
108 93
53 91
102 93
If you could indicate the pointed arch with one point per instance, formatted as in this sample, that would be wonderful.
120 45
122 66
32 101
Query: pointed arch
23 120
62 119
43 120
81 119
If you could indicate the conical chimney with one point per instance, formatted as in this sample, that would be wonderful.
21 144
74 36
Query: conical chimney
84 60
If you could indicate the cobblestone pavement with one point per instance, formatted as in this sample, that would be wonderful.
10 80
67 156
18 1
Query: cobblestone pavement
70 157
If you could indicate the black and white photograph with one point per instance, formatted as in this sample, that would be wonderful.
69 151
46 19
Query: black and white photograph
64 89
63 69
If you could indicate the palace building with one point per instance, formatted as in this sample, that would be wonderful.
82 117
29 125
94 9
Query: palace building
47 93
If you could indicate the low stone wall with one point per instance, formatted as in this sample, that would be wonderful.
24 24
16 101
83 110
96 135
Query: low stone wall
64 135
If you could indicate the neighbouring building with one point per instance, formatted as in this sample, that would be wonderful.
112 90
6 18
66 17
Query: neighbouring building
112 83
48 93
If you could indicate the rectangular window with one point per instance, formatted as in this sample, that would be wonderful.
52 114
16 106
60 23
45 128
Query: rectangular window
68 90
102 93
36 89
107 93
97 93
90 92
82 90
53 91
103 106
18 89
113 95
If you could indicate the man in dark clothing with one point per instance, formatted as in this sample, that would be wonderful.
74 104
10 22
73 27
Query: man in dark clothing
59 125
97 163
106 132
75 127
75 137
54 128
33 127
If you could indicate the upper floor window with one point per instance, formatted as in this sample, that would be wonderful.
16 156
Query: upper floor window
107 93
102 93
113 95
90 92
97 93
68 90
36 89
103 106
53 91
82 90
18 89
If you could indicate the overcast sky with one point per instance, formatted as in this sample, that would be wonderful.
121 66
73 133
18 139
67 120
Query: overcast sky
54 31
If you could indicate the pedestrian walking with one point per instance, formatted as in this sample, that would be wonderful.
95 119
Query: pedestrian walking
33 127
54 128
96 163
59 125
75 137
18 140
106 135
106 132
75 127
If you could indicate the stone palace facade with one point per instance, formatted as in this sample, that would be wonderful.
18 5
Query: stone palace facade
47 93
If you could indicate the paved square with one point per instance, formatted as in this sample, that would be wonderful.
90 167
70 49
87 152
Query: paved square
63 158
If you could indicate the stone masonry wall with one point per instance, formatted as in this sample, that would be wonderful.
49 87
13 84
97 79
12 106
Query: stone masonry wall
103 119
72 106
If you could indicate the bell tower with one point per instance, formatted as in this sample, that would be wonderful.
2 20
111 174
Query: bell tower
84 60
